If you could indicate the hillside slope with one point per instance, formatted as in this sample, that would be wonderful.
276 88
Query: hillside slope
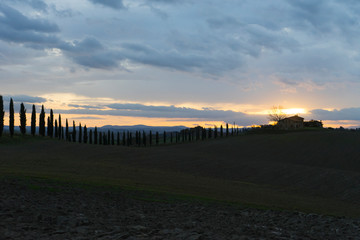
310 171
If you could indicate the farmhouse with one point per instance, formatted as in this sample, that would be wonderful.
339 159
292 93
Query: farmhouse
294 122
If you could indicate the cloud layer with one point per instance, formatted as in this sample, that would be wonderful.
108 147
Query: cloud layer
293 53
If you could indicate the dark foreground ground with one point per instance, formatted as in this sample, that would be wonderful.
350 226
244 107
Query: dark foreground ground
35 209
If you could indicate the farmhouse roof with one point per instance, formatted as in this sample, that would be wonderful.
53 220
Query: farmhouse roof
295 118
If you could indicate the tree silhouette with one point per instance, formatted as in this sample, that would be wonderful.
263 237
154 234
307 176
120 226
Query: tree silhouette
60 127
124 139
95 136
221 131
90 136
80 133
150 138
56 129
67 130
85 134
50 129
227 129
108 137
33 120
127 138
118 138
276 114
22 119
144 138
74 132
42 121
2 115
11 117
157 138
112 138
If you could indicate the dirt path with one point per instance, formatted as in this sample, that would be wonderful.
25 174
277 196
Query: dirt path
33 209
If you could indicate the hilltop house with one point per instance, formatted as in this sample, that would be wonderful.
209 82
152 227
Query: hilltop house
294 122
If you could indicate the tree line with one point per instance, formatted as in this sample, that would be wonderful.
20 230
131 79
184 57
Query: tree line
53 127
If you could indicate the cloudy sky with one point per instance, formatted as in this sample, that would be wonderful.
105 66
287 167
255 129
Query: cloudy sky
183 62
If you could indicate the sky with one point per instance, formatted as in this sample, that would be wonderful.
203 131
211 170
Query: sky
188 62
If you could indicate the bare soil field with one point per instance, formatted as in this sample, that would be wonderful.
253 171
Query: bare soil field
39 209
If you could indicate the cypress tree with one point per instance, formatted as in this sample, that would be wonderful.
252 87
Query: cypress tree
209 133
150 138
90 136
33 120
118 138
67 131
85 134
108 137
124 139
105 139
144 138
136 138
50 130
11 118
80 133
164 137
171 137
62 133
48 124
197 132
22 119
2 115
112 138
95 136
227 129
74 132
60 127
56 129
42 122
215 132
221 131
128 138
157 138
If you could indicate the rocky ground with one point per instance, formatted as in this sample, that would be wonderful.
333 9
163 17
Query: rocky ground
33 209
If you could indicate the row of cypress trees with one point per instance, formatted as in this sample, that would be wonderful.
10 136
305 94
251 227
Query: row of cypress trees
82 135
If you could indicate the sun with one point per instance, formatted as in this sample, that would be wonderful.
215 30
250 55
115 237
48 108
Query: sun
294 111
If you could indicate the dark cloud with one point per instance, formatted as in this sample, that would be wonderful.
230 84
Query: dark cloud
172 112
35 4
85 106
13 19
116 4
222 22
91 53
24 99
177 60
342 114
34 33
165 1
